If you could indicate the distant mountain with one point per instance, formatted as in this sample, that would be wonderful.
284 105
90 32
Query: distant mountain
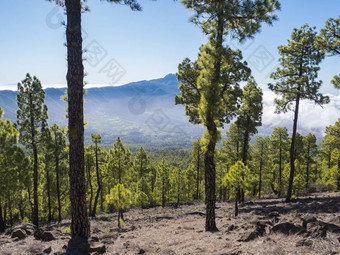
143 113
140 113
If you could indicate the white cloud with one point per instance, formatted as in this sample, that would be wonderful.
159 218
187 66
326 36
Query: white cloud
312 118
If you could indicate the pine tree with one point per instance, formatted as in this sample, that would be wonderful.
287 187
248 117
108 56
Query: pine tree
220 70
97 139
235 179
31 119
297 80
57 153
279 146
333 137
329 41
250 114
119 162
141 163
120 197
162 182
80 225
177 184
197 162
12 165
310 152
260 155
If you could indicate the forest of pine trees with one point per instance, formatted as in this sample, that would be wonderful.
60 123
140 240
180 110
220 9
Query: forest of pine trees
47 173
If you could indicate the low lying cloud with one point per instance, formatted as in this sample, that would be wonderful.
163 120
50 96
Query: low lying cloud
312 117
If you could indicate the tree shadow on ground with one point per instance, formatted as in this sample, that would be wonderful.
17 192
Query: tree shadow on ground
78 245
312 205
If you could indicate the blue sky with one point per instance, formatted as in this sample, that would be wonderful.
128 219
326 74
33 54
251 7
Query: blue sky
143 45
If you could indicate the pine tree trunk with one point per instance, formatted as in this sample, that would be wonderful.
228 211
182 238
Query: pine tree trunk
99 186
210 171
80 225
119 218
198 175
260 177
48 186
244 156
308 159
5 216
236 206
88 170
292 151
163 195
338 179
210 181
35 215
280 171
2 225
29 199
58 184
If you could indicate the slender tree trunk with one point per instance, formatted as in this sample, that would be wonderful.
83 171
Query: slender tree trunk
88 170
21 210
308 163
99 185
280 170
198 175
338 179
10 209
30 201
102 198
292 150
178 194
58 184
2 225
35 215
163 195
48 186
119 218
236 199
260 176
80 225
244 155
5 216
121 214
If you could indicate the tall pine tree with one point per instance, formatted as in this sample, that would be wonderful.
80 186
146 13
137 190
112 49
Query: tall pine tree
297 80
31 119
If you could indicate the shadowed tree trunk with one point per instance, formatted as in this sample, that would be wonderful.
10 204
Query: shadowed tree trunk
80 225
292 149
338 174
58 183
99 185
35 215
198 175
210 182
89 179
260 175
2 225
48 186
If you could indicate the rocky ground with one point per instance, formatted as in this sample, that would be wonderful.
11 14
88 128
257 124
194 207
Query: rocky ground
309 225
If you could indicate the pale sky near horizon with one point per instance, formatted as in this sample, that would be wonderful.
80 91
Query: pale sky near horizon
138 45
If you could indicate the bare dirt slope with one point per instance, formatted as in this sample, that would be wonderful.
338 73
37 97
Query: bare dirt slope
309 225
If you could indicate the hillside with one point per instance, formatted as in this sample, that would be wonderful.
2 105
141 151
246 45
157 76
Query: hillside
140 113
143 113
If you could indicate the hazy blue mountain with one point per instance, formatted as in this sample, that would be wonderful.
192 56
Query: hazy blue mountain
140 112
143 113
